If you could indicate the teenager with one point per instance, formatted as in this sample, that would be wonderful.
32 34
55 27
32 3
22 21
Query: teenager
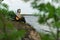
18 17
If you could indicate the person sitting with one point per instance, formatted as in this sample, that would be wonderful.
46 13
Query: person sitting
18 17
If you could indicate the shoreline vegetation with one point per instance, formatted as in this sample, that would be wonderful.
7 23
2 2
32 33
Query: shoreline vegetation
13 30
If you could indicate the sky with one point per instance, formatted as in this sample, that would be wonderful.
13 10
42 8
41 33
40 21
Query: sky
18 4
25 7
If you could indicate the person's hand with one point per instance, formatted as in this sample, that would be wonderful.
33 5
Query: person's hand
17 18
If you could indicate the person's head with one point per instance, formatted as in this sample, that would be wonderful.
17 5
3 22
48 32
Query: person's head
18 10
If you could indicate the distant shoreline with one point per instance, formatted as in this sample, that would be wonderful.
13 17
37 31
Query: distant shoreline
29 14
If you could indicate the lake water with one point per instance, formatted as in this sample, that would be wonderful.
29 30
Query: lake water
33 20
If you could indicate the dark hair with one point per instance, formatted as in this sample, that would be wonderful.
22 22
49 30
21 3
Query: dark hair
18 10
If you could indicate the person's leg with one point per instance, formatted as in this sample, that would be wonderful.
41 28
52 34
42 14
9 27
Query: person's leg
23 20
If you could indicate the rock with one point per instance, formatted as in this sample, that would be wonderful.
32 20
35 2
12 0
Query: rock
31 33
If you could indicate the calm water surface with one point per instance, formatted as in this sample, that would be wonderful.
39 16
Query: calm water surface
33 20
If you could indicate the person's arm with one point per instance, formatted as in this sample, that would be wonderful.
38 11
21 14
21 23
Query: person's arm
17 18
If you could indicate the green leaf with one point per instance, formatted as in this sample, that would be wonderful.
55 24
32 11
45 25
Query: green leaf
56 24
58 11
41 20
5 5
41 7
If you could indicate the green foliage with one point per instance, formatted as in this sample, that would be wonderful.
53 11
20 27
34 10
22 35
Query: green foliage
7 29
41 7
8 14
1 36
5 5
47 8
11 14
58 11
46 36
41 19
52 13
16 35
34 4
10 33
56 24
4 11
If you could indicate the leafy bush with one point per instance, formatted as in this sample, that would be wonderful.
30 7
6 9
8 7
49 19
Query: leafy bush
7 29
